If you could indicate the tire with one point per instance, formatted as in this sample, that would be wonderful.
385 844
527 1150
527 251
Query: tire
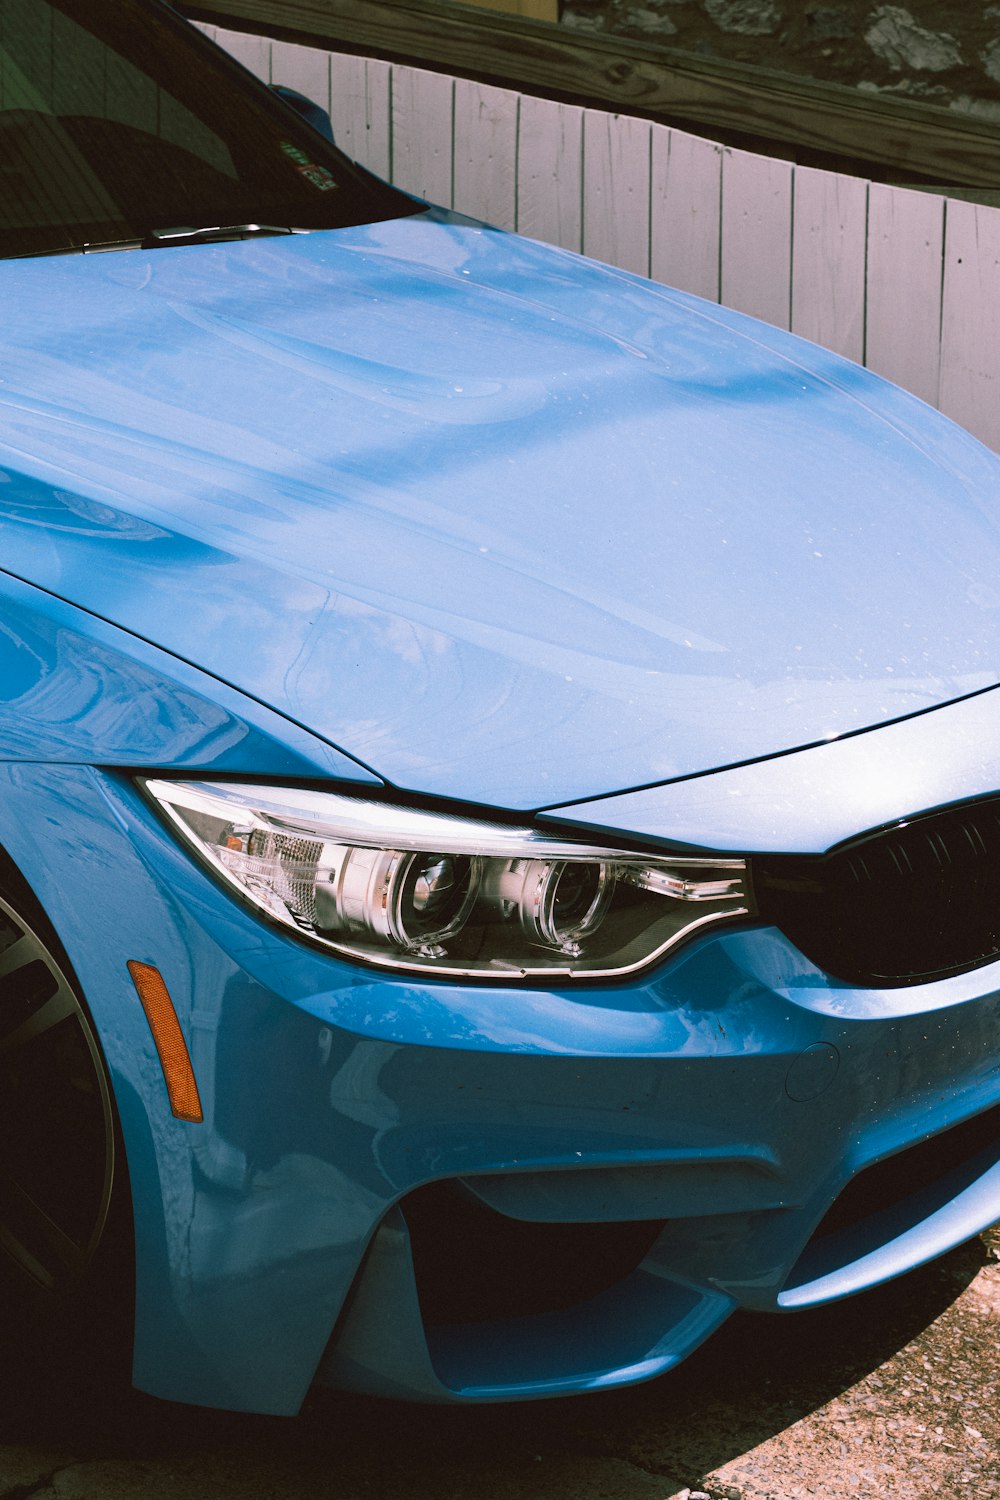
58 1132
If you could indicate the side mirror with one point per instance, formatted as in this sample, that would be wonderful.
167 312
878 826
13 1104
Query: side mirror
310 111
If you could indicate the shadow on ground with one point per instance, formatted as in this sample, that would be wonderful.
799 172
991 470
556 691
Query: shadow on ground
754 1379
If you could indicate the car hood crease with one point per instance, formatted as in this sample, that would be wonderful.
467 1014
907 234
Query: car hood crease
503 525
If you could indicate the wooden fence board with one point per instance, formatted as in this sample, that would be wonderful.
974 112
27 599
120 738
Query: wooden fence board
360 110
550 172
422 133
970 347
616 167
485 181
254 52
905 249
626 75
829 260
686 212
304 68
756 274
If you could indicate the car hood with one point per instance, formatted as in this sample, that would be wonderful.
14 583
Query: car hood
503 525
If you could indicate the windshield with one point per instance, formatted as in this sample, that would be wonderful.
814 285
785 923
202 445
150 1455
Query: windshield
120 120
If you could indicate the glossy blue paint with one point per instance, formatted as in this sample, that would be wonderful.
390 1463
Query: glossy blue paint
906 1236
808 802
419 505
635 1331
331 1095
73 688
579 532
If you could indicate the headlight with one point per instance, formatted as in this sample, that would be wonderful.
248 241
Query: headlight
423 891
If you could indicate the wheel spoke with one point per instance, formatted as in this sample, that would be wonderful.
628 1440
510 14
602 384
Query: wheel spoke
18 954
56 1123
60 1007
32 1238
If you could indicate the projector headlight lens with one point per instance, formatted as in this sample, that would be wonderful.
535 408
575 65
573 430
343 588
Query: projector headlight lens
414 890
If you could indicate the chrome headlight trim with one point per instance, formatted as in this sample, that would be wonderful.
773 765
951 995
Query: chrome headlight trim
448 897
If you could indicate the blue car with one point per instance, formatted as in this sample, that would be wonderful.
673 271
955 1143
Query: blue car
499 772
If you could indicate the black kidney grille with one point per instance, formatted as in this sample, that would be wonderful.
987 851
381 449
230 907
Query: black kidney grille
913 902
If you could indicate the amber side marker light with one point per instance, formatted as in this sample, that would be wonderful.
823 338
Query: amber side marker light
178 1074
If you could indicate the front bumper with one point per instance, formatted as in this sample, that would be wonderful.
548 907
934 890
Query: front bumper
363 1132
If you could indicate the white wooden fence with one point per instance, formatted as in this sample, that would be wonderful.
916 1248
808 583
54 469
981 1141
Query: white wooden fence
905 282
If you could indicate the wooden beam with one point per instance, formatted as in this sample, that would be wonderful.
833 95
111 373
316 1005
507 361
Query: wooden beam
540 10
930 144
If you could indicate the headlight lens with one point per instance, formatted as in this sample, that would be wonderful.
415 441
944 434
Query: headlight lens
412 890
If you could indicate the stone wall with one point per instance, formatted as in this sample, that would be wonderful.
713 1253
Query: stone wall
946 52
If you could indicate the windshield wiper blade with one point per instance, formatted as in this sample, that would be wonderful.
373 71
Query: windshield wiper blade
157 238
218 232
88 248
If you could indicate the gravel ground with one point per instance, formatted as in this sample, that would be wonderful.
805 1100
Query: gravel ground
894 1394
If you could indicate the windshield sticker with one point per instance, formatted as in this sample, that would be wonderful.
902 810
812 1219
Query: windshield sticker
310 170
